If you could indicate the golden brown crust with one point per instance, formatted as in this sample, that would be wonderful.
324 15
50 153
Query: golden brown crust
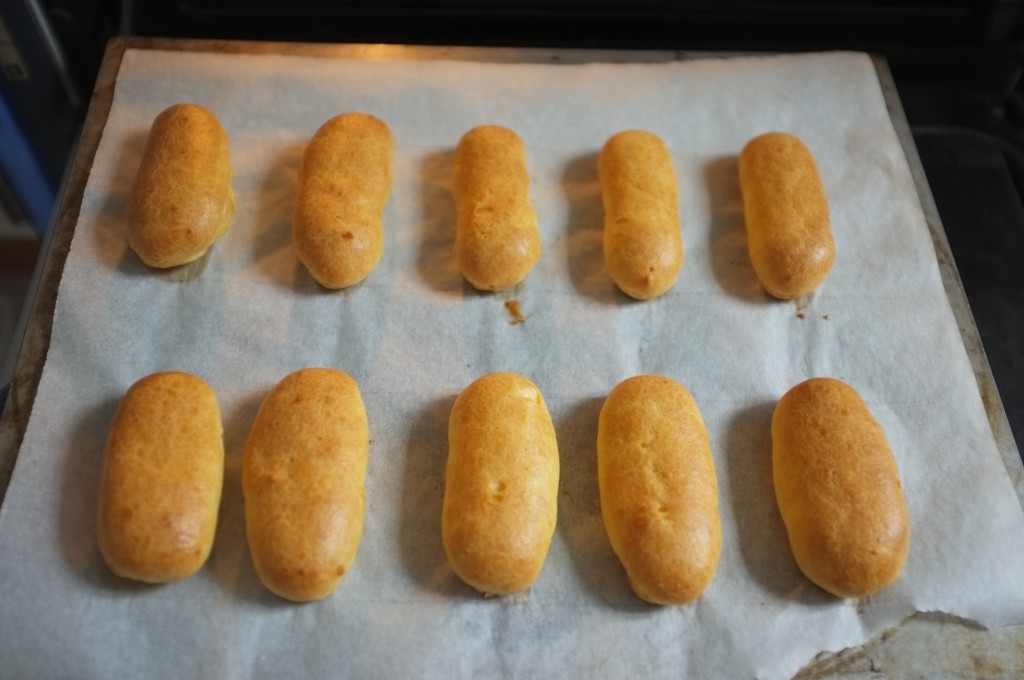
659 490
160 488
501 484
303 480
789 233
838 489
181 200
337 226
497 242
643 241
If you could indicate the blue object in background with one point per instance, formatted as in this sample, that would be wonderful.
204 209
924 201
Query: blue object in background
41 111
21 169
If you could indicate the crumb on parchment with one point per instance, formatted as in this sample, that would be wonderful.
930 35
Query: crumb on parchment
514 312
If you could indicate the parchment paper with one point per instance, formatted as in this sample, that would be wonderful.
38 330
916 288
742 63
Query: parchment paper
413 335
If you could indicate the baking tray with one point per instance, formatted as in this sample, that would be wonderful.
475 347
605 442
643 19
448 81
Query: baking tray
934 645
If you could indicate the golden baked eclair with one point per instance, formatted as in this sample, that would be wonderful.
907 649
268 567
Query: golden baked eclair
303 480
838 489
659 490
643 239
181 200
497 241
501 484
789 234
344 182
160 488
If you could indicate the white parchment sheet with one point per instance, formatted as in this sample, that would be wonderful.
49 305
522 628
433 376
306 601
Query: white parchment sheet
414 335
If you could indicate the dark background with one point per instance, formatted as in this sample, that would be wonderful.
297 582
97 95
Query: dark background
957 67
